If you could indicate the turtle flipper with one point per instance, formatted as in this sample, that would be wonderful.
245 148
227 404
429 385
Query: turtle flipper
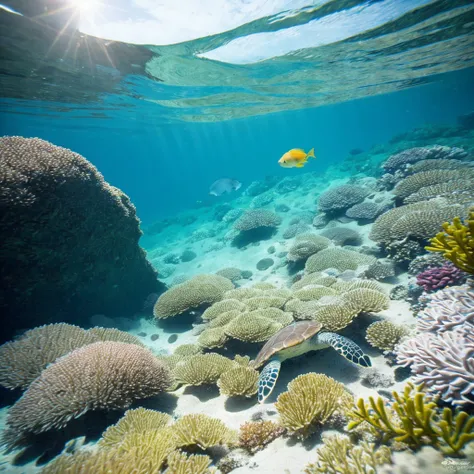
267 379
347 348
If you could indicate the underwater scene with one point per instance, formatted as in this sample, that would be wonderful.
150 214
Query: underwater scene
237 236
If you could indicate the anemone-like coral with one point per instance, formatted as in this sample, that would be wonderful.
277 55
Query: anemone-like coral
180 463
255 435
343 236
415 420
456 243
264 301
203 431
103 375
51 194
338 258
310 400
242 294
112 334
339 456
458 189
385 335
238 382
202 289
436 278
436 164
138 420
341 198
202 369
302 309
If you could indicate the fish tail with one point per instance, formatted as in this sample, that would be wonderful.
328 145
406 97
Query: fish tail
311 153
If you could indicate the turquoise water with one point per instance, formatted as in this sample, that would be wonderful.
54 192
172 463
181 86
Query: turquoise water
163 100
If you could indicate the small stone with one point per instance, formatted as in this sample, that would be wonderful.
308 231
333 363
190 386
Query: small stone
188 255
271 249
142 334
265 264
173 338
154 337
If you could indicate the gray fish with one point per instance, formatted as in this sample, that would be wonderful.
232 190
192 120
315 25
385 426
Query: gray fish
224 185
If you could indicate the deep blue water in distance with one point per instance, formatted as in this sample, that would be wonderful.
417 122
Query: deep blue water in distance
165 168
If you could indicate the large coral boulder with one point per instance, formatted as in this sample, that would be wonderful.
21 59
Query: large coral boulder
69 239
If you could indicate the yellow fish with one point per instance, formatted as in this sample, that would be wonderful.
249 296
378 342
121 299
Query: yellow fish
295 158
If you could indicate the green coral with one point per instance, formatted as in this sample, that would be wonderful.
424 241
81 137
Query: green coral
385 335
339 456
202 369
239 381
302 309
456 243
203 431
201 289
414 419
310 400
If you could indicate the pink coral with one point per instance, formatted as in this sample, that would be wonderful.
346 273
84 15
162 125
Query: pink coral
439 277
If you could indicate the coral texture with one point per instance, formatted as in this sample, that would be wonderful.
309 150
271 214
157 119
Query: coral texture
202 369
385 335
238 381
255 435
437 278
338 258
50 194
253 219
341 198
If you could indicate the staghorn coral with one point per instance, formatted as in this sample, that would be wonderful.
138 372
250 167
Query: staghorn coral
103 375
51 194
344 286
437 278
255 435
238 381
342 236
180 463
415 420
138 420
201 289
339 456
274 314
439 164
221 307
385 335
211 338
203 431
366 300
250 328
295 229
202 369
310 400
22 360
341 198
338 258
456 243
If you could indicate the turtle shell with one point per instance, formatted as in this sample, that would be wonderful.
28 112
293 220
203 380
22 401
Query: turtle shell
289 336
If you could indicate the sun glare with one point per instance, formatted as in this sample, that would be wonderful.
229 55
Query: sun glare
86 8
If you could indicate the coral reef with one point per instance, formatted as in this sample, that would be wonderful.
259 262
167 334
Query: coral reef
255 435
342 236
239 381
341 198
180 463
202 369
257 218
385 335
338 258
439 277
199 290
310 400
40 185
102 375
365 211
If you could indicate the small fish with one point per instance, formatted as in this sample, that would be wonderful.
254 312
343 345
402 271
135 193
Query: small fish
356 151
224 185
295 158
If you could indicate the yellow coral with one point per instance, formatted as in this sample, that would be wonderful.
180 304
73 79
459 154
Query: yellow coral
202 369
203 431
239 381
367 300
187 350
138 420
335 317
339 456
212 337
314 292
414 419
228 304
310 400
179 463
255 435
456 243
385 335
249 328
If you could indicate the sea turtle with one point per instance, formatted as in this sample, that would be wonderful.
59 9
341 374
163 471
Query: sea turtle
296 339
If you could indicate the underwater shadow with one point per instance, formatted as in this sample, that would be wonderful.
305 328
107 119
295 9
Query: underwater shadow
236 404
308 443
165 402
180 324
248 237
203 392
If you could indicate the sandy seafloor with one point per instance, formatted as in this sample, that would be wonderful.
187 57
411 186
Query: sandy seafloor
284 455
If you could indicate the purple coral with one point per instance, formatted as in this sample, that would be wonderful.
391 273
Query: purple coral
437 278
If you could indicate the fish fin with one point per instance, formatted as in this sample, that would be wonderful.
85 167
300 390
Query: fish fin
300 165
311 153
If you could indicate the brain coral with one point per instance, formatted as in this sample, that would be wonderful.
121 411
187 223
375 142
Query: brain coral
341 198
103 375
201 289
338 258
51 195
412 155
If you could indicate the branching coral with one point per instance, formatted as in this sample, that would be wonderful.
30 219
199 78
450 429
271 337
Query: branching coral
102 375
238 381
339 456
202 369
414 419
255 435
385 335
202 289
310 400
456 243
180 463
203 431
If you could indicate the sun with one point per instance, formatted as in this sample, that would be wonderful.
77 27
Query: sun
86 8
